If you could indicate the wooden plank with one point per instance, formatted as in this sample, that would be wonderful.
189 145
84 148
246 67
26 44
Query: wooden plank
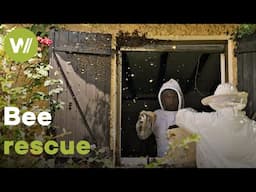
92 51
240 72
95 41
230 55
245 72
93 103
72 111
250 83
246 47
52 75
222 67
60 119
101 103
211 48
79 66
190 37
107 95
73 80
63 40
107 78
118 108
245 77
85 61
82 71
89 91
89 43
70 114
254 85
96 76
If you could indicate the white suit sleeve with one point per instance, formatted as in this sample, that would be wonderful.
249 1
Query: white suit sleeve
190 119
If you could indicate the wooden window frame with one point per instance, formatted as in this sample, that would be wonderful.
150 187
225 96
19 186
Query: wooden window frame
227 75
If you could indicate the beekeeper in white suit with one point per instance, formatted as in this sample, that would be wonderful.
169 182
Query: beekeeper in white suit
228 136
170 99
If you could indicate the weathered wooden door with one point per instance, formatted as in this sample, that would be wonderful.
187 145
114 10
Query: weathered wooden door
82 61
246 60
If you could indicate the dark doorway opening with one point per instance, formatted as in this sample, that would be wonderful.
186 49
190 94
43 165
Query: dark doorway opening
143 73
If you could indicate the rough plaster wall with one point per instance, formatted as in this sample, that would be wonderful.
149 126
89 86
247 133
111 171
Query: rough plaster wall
157 29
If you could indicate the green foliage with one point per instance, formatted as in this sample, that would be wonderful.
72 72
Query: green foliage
25 85
98 157
184 143
28 86
244 30
167 160
41 29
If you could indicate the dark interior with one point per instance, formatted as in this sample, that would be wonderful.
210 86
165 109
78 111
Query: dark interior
143 73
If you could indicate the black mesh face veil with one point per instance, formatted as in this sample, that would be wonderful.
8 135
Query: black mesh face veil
170 100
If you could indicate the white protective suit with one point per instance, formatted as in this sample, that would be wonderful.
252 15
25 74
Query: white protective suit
228 136
165 119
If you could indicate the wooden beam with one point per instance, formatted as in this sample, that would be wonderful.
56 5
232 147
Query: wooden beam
190 37
230 55
222 67
118 109
70 49
211 48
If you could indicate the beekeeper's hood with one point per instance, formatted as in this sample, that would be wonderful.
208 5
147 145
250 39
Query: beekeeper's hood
226 95
173 85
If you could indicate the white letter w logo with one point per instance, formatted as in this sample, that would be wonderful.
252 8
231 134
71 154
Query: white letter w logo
20 43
